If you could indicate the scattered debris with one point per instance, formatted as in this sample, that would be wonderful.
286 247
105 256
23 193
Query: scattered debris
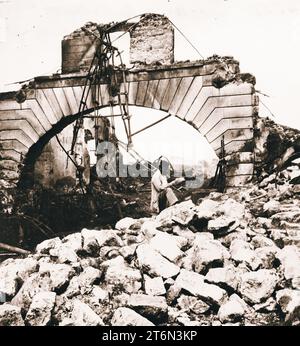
222 260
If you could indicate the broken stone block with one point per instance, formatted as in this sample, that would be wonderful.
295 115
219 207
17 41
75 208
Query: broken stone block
284 237
289 302
187 322
99 294
268 306
73 241
90 262
241 252
120 300
74 289
187 262
13 272
261 241
173 293
34 284
149 229
216 324
278 236
117 272
260 231
8 278
167 246
288 216
155 264
134 239
128 251
89 242
256 287
154 286
108 237
40 310
267 256
266 223
232 209
83 315
10 316
67 322
169 282
26 267
290 260
206 209
108 252
187 234
60 275
292 238
221 225
125 224
195 285
93 240
270 179
272 207
180 241
240 234
227 277
203 237
192 304
151 307
128 317
173 314
205 254
63 254
231 311
185 214
181 210
47 245
89 276
296 283
246 307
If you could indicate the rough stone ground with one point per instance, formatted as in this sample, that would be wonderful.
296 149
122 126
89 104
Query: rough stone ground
231 259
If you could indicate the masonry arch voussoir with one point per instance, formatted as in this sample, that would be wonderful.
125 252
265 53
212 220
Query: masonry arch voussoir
185 90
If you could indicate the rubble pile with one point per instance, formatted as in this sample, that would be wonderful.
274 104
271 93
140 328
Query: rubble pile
231 259
276 146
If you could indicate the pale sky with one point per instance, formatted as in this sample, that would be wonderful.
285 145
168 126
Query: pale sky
263 35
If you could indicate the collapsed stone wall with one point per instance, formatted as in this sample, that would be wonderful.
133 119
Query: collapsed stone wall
274 144
226 260
152 41
78 49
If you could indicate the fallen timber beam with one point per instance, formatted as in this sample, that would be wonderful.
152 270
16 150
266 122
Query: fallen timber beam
14 249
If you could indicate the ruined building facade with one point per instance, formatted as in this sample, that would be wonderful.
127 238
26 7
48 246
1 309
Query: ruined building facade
212 95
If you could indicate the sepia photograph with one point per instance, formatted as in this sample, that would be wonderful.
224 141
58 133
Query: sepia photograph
149 166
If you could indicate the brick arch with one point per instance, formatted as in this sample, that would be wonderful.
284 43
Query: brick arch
185 90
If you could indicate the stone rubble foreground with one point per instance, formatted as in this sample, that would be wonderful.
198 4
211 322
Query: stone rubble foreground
232 259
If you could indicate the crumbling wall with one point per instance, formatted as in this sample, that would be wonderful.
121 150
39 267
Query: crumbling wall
152 41
78 49
274 143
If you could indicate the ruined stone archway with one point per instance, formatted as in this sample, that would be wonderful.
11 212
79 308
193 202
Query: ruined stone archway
211 95
183 90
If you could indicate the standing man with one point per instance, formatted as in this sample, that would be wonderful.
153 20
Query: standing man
162 195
